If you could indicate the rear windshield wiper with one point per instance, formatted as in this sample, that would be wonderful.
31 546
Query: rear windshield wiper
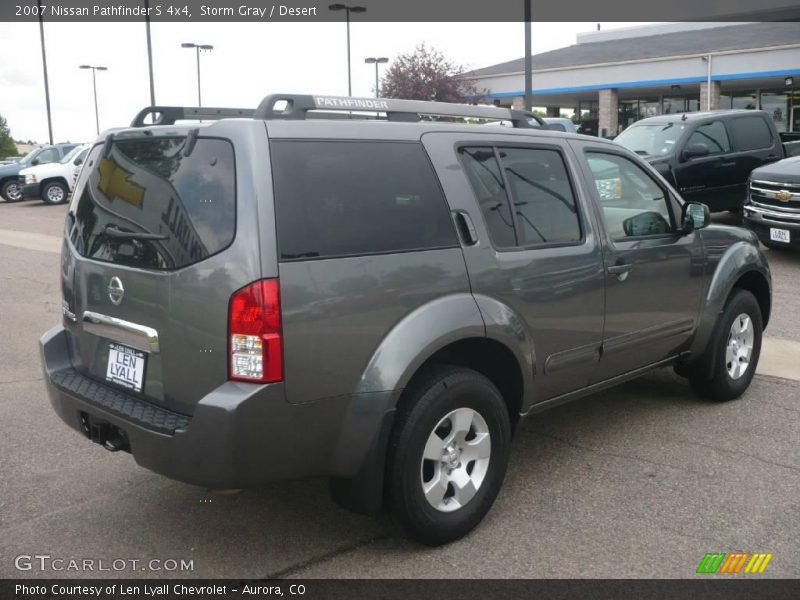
111 231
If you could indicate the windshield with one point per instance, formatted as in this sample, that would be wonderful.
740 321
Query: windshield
72 154
26 159
651 140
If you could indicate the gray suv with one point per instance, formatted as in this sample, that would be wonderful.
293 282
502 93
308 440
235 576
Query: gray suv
279 293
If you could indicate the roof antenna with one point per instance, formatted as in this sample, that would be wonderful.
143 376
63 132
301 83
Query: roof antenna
598 27
683 117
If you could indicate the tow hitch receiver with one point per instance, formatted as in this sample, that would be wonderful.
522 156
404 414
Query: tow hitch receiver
109 436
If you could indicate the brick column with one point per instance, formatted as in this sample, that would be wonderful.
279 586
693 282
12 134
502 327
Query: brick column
518 103
714 95
609 112
553 111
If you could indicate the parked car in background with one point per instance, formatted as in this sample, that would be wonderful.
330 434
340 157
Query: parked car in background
773 204
707 156
560 124
384 303
9 160
53 182
10 181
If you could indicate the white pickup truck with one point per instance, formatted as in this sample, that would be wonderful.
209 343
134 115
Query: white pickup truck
53 182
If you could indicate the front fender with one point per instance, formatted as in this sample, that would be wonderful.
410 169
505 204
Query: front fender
740 258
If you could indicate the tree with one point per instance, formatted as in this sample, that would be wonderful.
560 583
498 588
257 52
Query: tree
7 145
425 74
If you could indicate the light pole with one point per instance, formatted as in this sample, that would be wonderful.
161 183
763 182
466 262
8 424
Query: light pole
44 68
197 48
94 87
377 61
149 53
348 9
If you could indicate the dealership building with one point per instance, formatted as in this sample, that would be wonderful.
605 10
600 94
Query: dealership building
613 78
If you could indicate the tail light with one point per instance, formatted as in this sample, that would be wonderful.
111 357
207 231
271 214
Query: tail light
254 332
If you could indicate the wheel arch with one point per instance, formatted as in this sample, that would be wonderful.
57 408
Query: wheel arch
742 266
57 178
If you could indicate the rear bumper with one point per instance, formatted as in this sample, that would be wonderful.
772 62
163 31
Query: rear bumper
756 221
31 190
239 435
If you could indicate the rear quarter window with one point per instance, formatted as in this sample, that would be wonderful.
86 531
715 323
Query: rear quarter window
146 204
348 198
751 133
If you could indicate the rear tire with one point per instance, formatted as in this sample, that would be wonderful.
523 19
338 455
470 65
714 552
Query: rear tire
726 370
11 191
458 418
54 192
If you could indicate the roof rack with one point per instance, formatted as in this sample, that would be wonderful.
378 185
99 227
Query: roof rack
167 115
297 106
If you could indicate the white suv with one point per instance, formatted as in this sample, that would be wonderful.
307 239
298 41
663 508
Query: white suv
53 182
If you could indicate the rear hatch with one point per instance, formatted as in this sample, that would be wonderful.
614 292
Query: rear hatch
151 258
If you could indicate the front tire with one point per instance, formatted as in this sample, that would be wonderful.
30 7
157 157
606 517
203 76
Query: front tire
733 350
11 191
448 454
54 192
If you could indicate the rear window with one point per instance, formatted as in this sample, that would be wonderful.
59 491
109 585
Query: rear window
751 133
341 198
148 205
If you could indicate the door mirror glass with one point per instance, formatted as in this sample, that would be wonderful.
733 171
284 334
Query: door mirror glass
646 223
695 216
694 150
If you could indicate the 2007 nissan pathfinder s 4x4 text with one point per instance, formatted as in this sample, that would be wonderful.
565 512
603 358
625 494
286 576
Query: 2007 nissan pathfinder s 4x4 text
279 293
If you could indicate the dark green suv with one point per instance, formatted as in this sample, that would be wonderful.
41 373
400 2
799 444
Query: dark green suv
281 293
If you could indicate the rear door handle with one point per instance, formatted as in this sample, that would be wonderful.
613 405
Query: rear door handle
465 228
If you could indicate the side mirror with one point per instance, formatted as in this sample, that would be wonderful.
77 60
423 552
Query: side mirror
694 216
35 162
78 162
694 150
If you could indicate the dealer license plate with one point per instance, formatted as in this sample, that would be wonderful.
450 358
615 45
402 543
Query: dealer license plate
126 366
779 235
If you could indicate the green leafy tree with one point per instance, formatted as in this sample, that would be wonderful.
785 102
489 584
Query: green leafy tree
7 145
425 74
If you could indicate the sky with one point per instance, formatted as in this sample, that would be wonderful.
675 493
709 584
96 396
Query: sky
249 61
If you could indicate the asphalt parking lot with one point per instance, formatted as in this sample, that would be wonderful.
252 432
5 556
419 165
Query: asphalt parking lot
640 481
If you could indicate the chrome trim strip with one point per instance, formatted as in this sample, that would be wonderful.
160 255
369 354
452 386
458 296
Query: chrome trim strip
779 183
138 336
771 213
790 209
774 193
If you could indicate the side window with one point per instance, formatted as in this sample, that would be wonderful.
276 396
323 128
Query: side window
48 156
484 175
751 133
632 203
713 135
340 198
544 205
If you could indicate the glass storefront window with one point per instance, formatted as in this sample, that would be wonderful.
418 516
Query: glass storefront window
649 107
748 100
777 106
680 104
628 113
